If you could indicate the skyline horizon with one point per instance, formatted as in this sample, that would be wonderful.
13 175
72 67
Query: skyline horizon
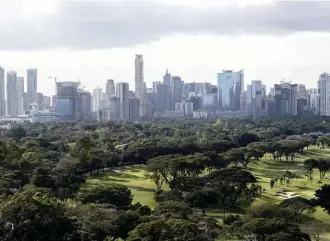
149 83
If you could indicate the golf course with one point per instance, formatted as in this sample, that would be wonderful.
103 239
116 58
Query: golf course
264 170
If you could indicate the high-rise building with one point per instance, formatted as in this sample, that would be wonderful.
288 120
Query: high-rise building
53 101
12 99
177 90
67 100
32 86
40 98
110 88
20 95
134 109
46 102
302 92
254 97
97 99
84 105
209 103
26 106
163 98
313 102
230 89
2 92
140 91
155 85
122 92
167 79
286 99
114 108
324 92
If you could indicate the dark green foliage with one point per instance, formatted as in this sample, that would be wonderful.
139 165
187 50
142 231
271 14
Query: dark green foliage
117 195
171 209
203 198
34 214
323 197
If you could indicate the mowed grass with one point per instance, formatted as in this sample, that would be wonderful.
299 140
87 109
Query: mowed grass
268 169
264 170
131 176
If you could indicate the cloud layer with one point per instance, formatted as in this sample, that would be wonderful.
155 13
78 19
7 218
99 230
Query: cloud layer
95 25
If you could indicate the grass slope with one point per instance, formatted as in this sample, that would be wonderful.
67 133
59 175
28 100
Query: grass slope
132 177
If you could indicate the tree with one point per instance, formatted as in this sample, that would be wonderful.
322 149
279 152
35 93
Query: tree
42 178
274 230
239 155
212 160
115 194
224 192
322 140
185 230
156 177
32 214
323 197
236 178
323 166
203 198
315 229
171 208
289 148
245 138
309 166
298 205
17 132
151 231
289 236
257 149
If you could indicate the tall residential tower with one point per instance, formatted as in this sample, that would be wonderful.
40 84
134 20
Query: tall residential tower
12 98
139 86
2 93
32 86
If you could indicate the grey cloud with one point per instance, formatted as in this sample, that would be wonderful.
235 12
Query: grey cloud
90 25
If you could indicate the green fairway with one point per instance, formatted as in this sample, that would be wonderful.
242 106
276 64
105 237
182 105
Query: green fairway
132 177
264 170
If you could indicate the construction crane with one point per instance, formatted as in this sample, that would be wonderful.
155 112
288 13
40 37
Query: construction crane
54 78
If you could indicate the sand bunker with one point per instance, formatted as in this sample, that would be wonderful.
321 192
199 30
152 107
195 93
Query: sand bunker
286 194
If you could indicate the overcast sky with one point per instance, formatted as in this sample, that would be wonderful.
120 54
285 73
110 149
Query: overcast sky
96 40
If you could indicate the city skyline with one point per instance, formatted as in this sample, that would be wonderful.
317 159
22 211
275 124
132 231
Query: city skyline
194 50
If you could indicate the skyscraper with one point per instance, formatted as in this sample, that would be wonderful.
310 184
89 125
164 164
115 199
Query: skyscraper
12 99
155 85
324 94
114 108
253 97
97 99
2 92
134 109
230 89
302 92
167 78
139 78
66 100
286 99
32 86
84 104
122 92
163 98
177 90
110 88
20 95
